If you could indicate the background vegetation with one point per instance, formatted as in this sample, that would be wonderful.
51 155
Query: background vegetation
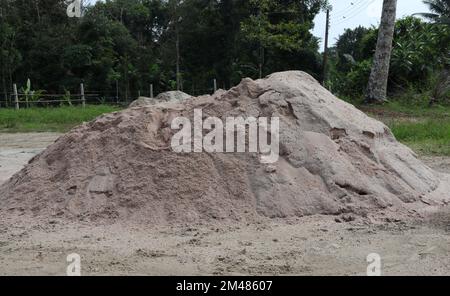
419 64
130 44
134 42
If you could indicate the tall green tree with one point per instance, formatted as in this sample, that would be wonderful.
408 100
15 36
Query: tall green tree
279 33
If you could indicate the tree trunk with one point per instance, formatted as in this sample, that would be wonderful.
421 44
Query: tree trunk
177 47
378 81
5 90
38 12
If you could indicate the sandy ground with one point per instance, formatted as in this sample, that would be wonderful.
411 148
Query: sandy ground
17 149
317 245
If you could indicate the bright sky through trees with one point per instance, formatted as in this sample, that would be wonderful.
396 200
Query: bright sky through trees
361 13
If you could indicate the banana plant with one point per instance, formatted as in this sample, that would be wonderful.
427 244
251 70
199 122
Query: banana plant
67 97
29 94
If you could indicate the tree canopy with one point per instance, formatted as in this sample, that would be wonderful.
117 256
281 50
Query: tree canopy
133 43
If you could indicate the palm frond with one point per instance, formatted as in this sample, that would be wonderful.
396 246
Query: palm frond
440 11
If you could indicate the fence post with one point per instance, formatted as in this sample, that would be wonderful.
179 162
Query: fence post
16 96
215 85
151 91
117 92
83 98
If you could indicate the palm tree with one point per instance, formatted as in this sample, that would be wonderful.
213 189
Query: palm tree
378 80
440 11
439 14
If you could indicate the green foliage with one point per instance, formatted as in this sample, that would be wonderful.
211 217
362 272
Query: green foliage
351 48
353 83
420 53
440 11
440 92
132 42
279 34
67 98
30 95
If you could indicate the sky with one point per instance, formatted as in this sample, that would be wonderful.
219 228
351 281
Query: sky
354 13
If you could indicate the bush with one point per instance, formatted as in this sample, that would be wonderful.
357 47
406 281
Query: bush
353 83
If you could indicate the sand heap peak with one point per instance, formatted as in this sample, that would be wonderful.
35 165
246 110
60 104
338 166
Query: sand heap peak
333 159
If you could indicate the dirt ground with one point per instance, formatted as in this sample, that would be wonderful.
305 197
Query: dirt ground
17 149
319 245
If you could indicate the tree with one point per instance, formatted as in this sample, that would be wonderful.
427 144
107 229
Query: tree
440 14
9 55
130 44
378 80
350 48
278 32
440 11
418 52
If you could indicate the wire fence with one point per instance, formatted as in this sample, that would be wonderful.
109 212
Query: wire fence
56 100
20 100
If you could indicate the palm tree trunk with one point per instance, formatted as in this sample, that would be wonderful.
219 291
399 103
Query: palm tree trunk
378 81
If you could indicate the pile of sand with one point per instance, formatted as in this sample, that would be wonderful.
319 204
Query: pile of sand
334 159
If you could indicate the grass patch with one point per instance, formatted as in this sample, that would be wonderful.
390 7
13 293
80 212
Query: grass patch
426 130
60 119
428 137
